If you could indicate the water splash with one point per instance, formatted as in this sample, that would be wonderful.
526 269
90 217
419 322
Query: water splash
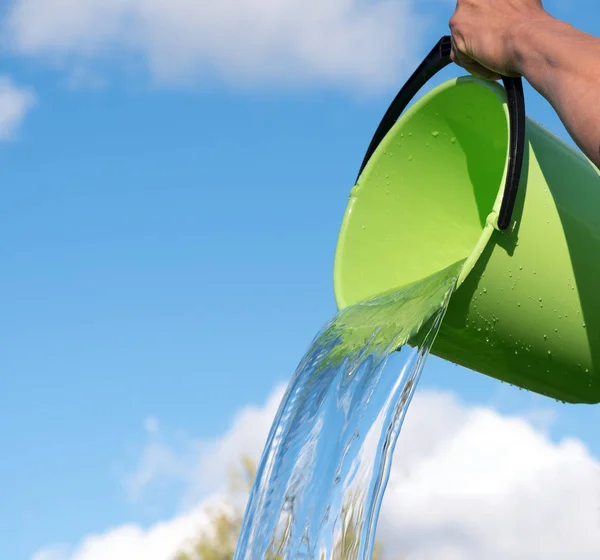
326 463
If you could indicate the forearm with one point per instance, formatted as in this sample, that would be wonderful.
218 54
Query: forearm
563 64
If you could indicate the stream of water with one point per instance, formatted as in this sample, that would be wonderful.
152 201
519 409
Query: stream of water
326 463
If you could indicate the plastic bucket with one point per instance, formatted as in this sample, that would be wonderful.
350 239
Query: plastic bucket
527 308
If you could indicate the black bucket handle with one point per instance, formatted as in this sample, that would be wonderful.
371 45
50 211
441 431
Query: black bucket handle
436 60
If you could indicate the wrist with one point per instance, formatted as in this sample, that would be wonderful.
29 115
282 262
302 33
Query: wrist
532 45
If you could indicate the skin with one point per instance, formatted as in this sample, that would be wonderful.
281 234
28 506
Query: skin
491 38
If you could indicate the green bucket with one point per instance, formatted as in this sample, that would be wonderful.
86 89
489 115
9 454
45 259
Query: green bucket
440 186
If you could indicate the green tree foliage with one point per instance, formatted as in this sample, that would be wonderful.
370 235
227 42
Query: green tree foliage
219 544
226 520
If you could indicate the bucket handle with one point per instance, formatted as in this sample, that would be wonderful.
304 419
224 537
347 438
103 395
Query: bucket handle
436 60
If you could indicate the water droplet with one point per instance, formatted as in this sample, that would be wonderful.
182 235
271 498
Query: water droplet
545 337
587 370
584 325
521 267
453 139
516 352
549 352
364 227
401 135
410 158
410 133
435 133
485 290
540 299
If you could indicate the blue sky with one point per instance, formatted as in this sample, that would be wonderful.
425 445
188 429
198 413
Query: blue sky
169 213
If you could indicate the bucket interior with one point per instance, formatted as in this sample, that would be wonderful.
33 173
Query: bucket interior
422 201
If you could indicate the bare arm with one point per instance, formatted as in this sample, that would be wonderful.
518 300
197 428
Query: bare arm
518 37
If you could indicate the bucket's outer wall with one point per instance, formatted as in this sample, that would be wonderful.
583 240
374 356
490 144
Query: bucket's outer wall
529 312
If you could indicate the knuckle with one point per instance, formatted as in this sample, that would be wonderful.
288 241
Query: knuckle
456 24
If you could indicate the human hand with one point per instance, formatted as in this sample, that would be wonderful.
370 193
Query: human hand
485 33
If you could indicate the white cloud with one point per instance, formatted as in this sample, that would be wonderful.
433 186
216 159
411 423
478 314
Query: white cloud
362 44
159 542
151 425
157 463
52 553
467 483
201 465
247 436
489 486
15 102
